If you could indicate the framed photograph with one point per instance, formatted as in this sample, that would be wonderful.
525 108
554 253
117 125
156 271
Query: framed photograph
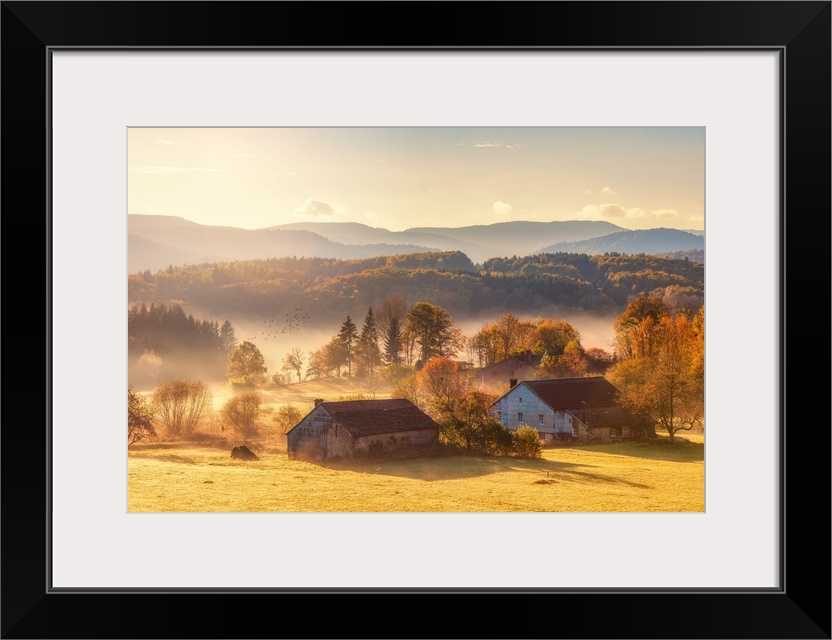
109 106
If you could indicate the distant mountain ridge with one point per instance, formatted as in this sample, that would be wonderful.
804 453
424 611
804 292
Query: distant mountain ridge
478 242
156 242
649 241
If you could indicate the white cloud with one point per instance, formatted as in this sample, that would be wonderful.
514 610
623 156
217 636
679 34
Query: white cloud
316 209
611 210
666 213
159 170
498 144
313 209
607 191
617 211
502 208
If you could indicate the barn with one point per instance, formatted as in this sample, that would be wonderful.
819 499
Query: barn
362 428
584 408
519 367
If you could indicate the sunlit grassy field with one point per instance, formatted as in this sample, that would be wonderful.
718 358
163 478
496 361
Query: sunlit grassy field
620 477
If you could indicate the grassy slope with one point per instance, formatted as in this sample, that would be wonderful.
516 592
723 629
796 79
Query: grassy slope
623 477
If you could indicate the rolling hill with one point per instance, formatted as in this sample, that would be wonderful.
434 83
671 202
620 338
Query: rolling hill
156 242
649 241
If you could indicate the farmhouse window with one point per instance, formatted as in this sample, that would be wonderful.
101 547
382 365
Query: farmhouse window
519 399
500 416
520 417
616 431
541 419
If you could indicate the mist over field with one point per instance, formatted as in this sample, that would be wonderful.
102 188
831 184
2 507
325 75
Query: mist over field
595 330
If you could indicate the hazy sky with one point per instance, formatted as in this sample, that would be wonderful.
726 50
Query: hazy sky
399 178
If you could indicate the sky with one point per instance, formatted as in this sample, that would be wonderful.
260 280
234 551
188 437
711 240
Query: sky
400 178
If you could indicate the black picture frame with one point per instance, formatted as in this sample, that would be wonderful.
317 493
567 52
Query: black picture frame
799 608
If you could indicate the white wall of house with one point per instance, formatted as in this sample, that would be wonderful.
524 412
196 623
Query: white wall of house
521 406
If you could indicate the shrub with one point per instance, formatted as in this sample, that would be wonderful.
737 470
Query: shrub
498 441
527 442
241 412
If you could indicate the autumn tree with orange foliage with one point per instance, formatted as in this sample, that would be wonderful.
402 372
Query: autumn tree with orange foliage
442 384
661 371
461 411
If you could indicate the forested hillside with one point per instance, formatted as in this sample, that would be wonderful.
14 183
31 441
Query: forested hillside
328 289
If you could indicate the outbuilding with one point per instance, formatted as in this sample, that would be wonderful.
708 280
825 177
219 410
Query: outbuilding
355 428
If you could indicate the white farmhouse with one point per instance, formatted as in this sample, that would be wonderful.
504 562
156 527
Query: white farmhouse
583 408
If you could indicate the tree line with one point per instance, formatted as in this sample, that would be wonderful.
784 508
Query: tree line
162 341
332 288
396 334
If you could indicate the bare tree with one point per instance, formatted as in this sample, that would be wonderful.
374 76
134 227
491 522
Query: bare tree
293 361
139 418
286 418
180 405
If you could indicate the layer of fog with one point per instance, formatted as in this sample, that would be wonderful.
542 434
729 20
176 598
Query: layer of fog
596 331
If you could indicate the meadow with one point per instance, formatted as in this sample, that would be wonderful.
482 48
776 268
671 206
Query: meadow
615 477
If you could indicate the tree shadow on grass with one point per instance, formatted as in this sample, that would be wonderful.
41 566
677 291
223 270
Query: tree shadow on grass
660 450
149 446
460 468
168 457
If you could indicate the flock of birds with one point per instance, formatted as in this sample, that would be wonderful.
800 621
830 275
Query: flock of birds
291 323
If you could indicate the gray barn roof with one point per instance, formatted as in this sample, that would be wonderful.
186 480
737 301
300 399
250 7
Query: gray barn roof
370 417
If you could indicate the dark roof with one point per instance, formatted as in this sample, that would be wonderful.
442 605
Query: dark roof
366 405
368 417
603 417
574 393
512 363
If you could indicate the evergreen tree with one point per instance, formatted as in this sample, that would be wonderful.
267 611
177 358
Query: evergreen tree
348 335
393 342
390 319
227 338
432 329
368 344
